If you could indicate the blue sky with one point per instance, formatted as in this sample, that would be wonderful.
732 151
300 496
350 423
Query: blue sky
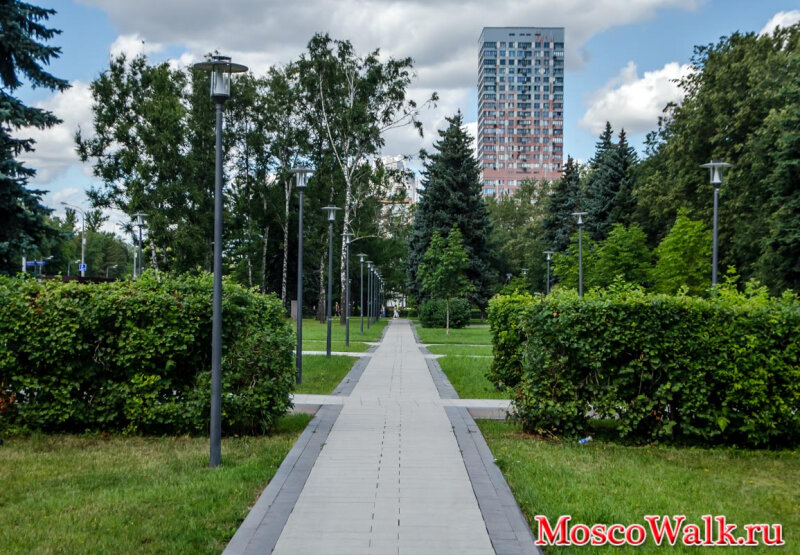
621 54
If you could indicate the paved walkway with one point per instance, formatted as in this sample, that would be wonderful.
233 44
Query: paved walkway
389 477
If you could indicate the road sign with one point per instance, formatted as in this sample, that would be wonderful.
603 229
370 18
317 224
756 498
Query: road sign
30 263
81 267
40 262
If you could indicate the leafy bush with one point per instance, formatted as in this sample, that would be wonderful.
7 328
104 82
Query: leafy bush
135 356
507 338
432 313
723 370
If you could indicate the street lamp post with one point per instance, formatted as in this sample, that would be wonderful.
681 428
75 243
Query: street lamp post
331 210
110 268
547 284
347 238
715 167
369 293
83 236
69 265
221 69
140 216
301 181
580 216
361 258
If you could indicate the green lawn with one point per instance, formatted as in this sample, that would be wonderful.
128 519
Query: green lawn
336 346
607 483
321 374
469 336
468 377
97 494
461 350
316 331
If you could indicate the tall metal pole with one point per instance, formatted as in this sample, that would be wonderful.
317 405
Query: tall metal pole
361 293
141 267
547 284
216 325
715 167
83 244
330 283
299 349
580 216
369 294
714 256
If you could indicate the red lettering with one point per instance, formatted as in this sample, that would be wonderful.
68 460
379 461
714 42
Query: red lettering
708 529
751 530
599 536
573 534
725 536
778 539
552 537
691 535
641 534
613 539
666 528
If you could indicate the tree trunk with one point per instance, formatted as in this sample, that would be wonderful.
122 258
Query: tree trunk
153 255
447 316
264 260
343 251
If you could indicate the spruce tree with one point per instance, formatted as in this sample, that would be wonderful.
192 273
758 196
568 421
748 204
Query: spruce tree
601 185
559 223
624 204
22 54
452 196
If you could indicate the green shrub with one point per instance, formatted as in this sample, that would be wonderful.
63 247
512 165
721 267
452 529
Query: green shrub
432 313
507 338
724 370
135 356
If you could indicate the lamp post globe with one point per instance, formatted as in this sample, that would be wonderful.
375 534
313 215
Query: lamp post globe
301 176
580 216
715 168
221 69
331 212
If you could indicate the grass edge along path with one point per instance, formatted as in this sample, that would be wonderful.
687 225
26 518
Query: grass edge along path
321 374
117 494
608 483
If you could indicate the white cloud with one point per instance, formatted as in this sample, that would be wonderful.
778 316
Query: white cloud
632 102
132 45
780 19
55 147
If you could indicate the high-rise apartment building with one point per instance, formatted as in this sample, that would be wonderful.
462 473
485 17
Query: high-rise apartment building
520 106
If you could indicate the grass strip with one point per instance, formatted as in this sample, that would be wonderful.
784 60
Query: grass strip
469 336
321 374
602 482
100 494
468 376
461 350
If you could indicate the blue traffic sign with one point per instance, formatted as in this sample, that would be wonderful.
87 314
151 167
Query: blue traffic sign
30 263
81 267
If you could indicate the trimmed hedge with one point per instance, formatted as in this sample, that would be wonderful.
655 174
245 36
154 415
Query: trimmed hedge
724 370
507 338
433 313
135 356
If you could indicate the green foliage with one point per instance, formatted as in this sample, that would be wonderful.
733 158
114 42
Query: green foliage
434 313
714 371
443 268
518 234
683 258
452 196
565 266
135 356
623 255
22 57
741 106
559 223
507 338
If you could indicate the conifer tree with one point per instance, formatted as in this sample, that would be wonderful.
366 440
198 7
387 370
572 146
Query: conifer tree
452 196
624 161
22 55
559 223
601 186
